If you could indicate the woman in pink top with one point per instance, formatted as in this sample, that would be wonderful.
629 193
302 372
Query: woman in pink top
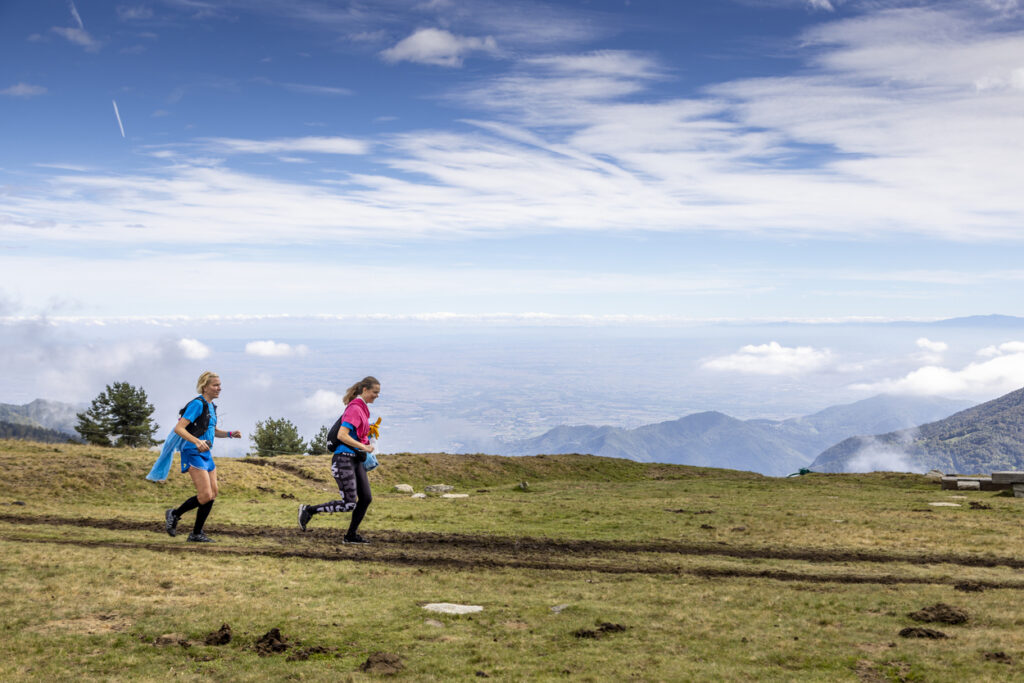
347 464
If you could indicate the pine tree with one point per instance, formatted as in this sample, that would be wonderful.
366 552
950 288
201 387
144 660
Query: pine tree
277 437
318 444
120 416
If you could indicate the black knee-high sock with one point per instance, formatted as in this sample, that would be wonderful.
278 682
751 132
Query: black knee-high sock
201 514
190 504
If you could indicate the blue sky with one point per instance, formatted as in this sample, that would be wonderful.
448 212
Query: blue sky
631 160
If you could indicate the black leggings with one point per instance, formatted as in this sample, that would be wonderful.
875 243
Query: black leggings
354 487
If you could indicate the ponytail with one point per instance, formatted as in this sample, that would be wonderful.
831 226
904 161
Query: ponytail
359 387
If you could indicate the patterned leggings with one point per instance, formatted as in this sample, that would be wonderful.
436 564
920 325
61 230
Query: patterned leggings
354 487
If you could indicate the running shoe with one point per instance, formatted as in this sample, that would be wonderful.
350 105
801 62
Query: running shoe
355 538
200 538
304 516
171 522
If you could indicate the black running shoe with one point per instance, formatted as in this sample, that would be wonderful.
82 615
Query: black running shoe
200 538
171 522
355 538
305 514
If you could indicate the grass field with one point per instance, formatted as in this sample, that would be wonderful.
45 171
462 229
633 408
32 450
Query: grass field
600 569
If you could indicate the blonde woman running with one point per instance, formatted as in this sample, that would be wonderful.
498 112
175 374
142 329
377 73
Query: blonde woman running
197 428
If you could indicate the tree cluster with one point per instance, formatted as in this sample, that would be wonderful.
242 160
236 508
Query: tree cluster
120 416
280 437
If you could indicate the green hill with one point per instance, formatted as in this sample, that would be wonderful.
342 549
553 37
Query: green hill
986 438
600 569
29 432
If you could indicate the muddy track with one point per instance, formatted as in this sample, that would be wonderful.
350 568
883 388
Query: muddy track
523 546
473 561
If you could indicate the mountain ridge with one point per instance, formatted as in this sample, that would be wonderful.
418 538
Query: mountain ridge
712 438
984 438
43 414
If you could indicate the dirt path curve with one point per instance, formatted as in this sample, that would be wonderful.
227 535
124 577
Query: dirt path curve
465 544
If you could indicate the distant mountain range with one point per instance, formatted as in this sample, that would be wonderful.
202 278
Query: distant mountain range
42 414
983 439
713 439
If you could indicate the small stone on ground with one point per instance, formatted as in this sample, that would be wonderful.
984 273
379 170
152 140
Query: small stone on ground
452 608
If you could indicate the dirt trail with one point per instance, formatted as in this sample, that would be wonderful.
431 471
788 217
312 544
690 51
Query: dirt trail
466 551
459 558
524 547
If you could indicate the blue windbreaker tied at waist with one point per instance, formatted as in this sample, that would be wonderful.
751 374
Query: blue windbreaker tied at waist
162 466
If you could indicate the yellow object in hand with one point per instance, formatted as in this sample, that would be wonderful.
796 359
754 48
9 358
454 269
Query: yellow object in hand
375 429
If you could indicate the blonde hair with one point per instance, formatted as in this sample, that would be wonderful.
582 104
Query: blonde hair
359 387
205 379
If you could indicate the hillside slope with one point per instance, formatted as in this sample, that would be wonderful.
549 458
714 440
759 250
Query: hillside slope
986 438
770 447
53 415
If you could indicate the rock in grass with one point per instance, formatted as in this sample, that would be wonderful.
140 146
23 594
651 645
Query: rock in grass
219 637
600 631
419 495
455 495
271 642
941 613
917 632
403 488
439 488
452 608
383 664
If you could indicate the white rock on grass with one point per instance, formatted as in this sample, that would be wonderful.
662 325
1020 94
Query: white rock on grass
439 488
946 505
419 495
455 495
452 608
403 488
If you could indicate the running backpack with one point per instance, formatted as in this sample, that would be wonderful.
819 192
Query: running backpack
333 442
332 436
199 425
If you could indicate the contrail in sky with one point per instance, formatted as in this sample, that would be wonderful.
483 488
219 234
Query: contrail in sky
118 115
76 15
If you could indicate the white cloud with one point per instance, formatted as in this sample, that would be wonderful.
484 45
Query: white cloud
126 13
933 346
931 351
324 403
317 145
1007 347
885 131
772 359
437 47
193 349
23 90
994 377
821 4
604 62
874 456
75 15
271 348
78 36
